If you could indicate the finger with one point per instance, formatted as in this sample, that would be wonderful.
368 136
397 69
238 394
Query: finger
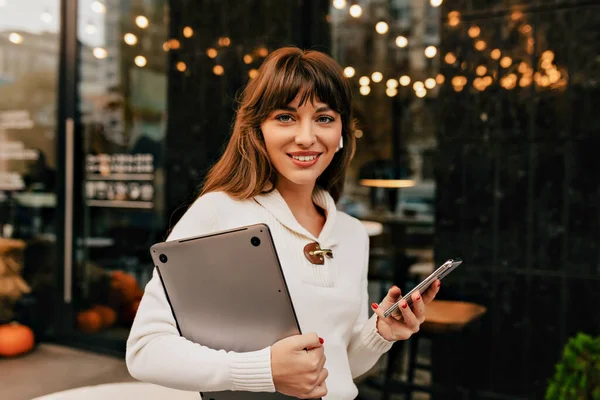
400 330
320 389
432 291
418 306
317 356
307 341
318 392
410 320
393 295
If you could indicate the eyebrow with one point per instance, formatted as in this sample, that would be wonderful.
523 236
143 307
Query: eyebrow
293 109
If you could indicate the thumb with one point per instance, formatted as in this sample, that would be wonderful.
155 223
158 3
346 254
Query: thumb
392 297
307 341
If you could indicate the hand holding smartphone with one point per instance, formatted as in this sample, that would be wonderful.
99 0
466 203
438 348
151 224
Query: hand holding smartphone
439 273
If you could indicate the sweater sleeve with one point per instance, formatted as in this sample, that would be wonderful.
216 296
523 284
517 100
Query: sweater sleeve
156 352
366 345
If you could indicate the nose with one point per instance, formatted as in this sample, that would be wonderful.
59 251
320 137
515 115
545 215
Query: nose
305 136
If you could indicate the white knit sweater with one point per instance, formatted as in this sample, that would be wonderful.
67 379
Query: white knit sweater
329 299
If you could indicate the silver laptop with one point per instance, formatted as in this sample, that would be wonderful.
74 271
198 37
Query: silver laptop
227 292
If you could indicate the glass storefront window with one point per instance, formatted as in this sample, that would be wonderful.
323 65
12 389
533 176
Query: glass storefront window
29 52
122 103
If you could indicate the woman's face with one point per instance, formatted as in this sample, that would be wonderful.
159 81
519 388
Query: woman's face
302 140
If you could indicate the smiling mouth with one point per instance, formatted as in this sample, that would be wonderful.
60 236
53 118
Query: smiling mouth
305 158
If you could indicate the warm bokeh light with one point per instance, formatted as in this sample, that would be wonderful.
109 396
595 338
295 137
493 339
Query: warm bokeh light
188 32
377 77
440 79
481 70
212 53
263 52
365 90
224 42
392 83
349 72
548 55
421 92
404 80
480 45
450 58
181 67
453 18
355 11
474 31
430 51
100 53
430 83
418 85
525 81
506 62
130 39
401 41
435 3
339 4
495 54
140 61
382 27
142 21
253 73
218 70
15 38
248 59
174 44
459 81
364 80
391 92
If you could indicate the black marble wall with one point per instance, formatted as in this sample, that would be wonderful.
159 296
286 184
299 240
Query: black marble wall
201 104
518 189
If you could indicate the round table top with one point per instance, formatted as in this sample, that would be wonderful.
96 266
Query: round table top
122 391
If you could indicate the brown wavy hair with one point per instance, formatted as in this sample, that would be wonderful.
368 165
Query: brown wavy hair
245 170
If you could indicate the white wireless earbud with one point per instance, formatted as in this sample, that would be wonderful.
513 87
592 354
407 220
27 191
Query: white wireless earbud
341 144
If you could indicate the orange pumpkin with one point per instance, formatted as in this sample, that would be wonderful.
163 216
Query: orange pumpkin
124 288
89 321
107 315
15 339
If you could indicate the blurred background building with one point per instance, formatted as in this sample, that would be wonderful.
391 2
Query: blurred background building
476 139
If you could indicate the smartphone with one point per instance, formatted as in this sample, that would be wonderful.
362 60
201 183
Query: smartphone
439 273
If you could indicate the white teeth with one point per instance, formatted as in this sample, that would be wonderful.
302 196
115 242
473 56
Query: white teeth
304 158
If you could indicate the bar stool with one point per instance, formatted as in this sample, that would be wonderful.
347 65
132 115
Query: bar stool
442 318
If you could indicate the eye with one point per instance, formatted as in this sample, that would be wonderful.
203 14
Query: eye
325 119
285 118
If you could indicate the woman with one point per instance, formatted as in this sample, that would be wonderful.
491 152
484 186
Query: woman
284 166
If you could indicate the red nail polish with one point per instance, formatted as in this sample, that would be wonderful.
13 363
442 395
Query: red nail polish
394 287
439 284
321 340
404 305
375 306
418 298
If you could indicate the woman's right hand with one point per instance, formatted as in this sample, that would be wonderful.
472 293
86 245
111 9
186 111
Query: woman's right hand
297 366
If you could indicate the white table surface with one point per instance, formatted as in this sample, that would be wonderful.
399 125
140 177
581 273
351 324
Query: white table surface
122 391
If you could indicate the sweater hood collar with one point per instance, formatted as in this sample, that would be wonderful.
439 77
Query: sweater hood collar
277 206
